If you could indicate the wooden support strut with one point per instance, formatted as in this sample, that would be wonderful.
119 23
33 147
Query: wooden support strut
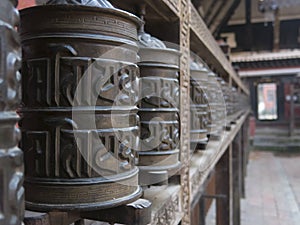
236 178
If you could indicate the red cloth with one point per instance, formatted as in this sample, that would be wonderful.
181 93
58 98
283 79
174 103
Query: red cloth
25 4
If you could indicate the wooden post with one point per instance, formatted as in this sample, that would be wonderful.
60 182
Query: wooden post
276 41
223 187
236 178
292 112
248 34
184 110
244 133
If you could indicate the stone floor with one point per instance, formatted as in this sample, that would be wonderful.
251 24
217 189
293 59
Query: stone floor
272 190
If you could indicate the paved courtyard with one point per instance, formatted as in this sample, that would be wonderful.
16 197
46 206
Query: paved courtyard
272 190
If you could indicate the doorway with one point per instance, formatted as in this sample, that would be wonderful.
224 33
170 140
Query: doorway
267 101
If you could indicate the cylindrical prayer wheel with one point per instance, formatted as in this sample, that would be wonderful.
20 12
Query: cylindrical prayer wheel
235 103
221 106
159 110
79 114
11 157
198 106
213 104
228 106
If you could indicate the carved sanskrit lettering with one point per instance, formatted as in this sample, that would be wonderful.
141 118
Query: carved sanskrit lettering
38 147
165 92
71 70
39 77
102 82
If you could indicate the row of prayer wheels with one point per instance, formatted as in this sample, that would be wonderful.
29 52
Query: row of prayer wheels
100 106
214 105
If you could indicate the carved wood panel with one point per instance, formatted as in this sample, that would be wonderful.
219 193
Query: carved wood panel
185 107
169 214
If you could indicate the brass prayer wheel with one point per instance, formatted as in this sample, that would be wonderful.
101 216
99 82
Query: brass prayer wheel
11 157
159 110
226 95
212 96
220 106
235 103
80 74
198 106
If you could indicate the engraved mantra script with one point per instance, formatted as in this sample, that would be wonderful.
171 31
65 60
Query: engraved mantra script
106 76
59 147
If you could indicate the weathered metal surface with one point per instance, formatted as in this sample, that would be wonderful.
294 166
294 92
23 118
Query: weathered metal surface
11 157
159 113
199 106
80 124
94 3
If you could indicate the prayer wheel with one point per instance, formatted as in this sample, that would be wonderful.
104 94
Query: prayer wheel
213 124
235 104
159 110
220 106
226 96
198 106
11 157
79 113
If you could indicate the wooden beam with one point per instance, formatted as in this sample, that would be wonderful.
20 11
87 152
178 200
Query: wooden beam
248 36
226 18
209 10
217 12
276 41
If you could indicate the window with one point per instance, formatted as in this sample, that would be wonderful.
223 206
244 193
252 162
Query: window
267 101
